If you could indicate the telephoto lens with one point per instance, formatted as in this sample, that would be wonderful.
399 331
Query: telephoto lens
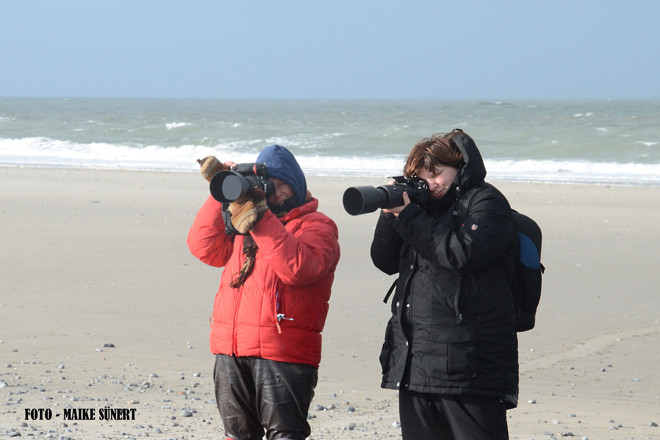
363 199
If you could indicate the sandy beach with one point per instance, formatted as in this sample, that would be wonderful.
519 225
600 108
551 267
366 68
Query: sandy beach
103 307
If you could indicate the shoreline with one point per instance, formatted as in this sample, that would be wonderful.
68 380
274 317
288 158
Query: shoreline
98 257
377 179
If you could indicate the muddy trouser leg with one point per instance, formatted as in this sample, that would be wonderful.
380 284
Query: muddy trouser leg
253 394
435 416
235 396
284 392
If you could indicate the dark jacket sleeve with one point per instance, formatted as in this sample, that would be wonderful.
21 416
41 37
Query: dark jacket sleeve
485 233
386 245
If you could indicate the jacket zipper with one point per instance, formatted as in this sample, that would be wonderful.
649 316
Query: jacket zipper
277 309
457 309
234 337
279 316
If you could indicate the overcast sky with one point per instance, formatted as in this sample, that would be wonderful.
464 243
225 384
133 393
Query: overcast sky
461 49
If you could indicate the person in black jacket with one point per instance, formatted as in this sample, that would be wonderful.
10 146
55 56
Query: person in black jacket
450 347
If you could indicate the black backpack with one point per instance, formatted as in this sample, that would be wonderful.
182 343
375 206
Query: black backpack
528 271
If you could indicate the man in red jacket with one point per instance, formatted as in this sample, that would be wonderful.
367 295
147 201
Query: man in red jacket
272 302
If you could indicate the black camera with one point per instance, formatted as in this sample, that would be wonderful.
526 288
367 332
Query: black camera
363 199
240 181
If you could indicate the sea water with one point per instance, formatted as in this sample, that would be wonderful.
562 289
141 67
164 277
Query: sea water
571 141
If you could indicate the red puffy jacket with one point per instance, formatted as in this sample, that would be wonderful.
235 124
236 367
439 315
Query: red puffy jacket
280 310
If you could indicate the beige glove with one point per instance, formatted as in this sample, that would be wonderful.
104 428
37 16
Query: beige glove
246 212
210 166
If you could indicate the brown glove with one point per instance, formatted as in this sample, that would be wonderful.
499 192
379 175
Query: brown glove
246 212
210 166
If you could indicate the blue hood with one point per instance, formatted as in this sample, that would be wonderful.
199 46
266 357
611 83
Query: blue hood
281 164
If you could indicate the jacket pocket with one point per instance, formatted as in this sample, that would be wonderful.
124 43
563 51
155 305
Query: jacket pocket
450 353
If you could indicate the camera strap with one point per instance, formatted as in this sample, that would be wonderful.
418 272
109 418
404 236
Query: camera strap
226 218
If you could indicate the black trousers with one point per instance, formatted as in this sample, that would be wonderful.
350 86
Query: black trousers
257 395
444 417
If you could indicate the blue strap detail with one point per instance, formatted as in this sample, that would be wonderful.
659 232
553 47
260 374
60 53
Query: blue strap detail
529 254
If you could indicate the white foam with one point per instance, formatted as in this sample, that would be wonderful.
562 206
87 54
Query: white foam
574 171
41 151
173 125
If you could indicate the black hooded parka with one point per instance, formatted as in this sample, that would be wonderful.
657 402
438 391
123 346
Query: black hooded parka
452 329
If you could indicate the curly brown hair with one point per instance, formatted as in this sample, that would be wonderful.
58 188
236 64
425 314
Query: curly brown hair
429 153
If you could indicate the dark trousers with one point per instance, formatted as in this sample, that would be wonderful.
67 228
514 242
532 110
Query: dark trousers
257 395
444 417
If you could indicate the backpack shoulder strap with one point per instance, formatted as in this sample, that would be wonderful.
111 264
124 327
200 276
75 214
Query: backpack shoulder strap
389 292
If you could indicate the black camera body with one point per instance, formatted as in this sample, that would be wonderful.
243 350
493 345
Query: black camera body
363 199
240 181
